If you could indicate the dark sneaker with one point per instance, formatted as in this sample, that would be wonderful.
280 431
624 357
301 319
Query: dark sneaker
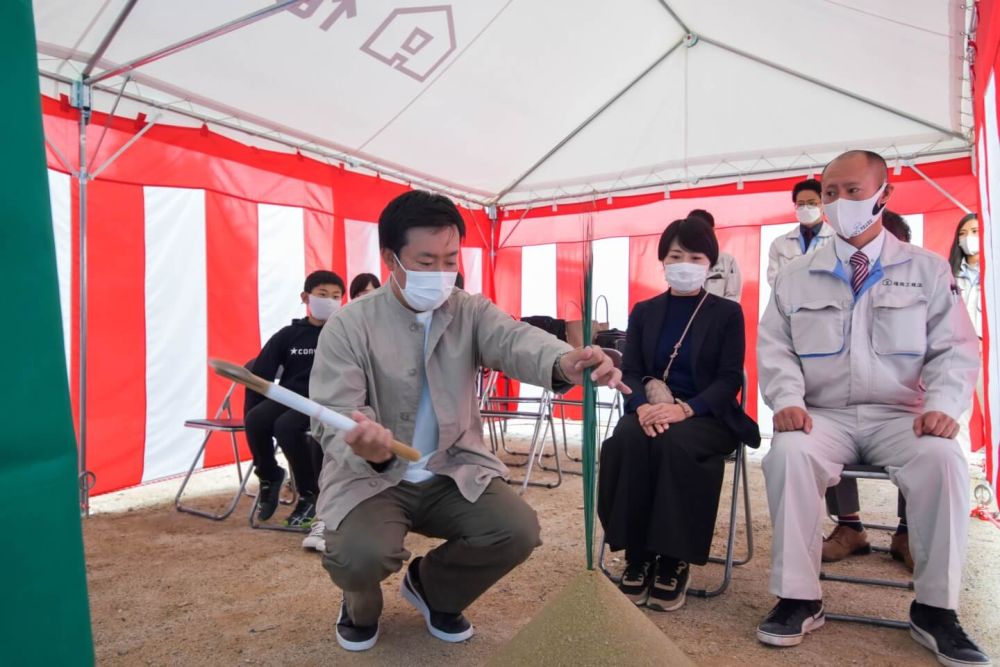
269 495
789 622
304 513
938 630
446 627
636 581
669 589
354 637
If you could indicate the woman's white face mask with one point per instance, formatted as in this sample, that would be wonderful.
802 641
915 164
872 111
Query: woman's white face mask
426 290
969 244
685 276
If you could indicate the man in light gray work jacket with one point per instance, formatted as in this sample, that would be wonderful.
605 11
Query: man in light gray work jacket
724 278
811 234
402 362
866 353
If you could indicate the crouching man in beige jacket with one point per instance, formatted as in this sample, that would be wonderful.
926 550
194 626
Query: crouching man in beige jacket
402 361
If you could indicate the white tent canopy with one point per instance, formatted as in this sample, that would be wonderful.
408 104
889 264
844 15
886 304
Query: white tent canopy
509 102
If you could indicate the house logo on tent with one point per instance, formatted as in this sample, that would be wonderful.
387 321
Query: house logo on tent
414 40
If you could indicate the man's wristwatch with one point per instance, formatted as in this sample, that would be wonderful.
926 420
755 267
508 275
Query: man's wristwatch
557 371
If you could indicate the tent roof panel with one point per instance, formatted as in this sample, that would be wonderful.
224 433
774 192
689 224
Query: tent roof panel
477 95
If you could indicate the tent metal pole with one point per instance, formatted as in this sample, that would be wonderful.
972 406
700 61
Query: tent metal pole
111 115
106 42
200 38
934 184
491 212
675 16
306 146
579 128
125 147
82 101
842 91
62 158
655 186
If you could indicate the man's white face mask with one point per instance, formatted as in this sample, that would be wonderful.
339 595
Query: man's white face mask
808 215
426 290
850 218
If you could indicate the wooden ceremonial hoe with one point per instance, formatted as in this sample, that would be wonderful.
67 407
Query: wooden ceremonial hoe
289 398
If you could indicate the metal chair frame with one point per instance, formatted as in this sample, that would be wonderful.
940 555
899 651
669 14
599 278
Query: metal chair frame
218 424
861 471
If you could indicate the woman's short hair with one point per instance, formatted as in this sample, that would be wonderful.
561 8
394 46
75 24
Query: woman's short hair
361 283
692 234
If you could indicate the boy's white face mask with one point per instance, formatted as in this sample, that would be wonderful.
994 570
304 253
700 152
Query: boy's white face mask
322 307
426 290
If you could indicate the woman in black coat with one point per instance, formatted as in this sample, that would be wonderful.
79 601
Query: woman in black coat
661 471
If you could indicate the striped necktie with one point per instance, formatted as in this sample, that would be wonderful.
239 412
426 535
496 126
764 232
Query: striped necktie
859 262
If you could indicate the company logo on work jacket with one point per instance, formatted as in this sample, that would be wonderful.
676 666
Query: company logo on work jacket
899 283
302 351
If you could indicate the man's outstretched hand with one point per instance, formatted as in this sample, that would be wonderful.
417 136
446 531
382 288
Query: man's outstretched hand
602 369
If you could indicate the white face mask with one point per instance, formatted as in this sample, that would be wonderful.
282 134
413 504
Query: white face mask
426 290
808 215
969 244
684 276
322 307
851 218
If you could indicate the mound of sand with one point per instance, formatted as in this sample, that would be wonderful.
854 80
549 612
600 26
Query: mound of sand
590 623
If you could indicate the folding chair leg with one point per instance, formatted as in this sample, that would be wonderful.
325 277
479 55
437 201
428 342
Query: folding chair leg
727 572
537 448
243 477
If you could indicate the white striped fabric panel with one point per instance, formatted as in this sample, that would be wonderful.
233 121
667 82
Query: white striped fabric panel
472 260
538 290
362 248
176 328
281 267
611 267
62 229
767 235
989 191
916 223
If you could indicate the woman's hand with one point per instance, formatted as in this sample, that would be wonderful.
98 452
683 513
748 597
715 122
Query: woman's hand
655 419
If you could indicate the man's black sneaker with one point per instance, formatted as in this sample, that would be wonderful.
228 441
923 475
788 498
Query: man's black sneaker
669 589
269 495
635 582
354 637
938 630
447 627
304 513
789 622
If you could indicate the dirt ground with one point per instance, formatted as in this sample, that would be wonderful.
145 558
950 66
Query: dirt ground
173 589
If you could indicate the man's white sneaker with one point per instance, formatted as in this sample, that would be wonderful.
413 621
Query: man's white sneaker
315 539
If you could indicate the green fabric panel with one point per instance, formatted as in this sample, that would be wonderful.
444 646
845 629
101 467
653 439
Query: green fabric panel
45 619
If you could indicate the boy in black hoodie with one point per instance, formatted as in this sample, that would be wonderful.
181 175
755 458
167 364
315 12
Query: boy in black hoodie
291 349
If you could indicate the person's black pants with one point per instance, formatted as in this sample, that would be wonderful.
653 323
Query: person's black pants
270 420
659 496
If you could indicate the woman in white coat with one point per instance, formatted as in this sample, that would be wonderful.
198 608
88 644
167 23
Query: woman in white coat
964 260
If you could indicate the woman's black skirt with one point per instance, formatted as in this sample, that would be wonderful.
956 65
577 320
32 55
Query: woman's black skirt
661 495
